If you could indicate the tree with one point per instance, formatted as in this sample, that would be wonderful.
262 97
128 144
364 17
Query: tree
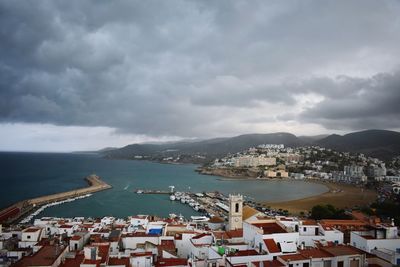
328 211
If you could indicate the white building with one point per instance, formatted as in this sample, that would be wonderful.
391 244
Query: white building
270 236
253 161
381 240
30 237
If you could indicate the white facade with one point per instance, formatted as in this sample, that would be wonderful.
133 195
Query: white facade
251 161
383 244
235 212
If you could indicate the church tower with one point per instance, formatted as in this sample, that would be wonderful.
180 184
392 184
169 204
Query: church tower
235 212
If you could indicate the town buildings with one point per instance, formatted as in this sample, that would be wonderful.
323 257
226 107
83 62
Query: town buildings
249 238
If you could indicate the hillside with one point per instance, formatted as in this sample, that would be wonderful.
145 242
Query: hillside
382 144
208 148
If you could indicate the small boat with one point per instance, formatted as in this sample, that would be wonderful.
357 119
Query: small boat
172 197
183 200
139 191
199 218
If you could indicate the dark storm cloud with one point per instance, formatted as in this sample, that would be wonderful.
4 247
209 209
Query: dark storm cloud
172 67
365 103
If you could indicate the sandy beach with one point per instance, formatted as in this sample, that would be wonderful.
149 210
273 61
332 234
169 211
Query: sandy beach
339 195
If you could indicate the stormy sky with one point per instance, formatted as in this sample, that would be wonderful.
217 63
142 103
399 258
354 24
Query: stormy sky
78 75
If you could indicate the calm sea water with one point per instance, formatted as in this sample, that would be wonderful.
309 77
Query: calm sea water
26 175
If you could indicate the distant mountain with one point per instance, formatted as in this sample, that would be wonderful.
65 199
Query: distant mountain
312 139
107 149
382 144
377 143
210 148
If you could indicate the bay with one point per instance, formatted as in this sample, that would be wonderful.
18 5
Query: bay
26 175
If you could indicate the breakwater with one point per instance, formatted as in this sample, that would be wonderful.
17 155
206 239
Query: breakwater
16 211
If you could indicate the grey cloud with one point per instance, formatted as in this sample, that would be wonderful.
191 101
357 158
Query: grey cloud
174 67
367 103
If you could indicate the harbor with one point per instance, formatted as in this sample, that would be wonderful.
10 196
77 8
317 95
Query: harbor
23 208
209 204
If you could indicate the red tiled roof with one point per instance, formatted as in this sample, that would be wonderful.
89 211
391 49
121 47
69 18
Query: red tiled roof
140 234
220 235
270 228
200 236
66 226
103 252
342 222
240 253
46 256
293 257
171 262
235 233
167 245
273 263
119 261
97 262
271 245
76 237
315 253
309 222
216 219
342 250
141 254
73 262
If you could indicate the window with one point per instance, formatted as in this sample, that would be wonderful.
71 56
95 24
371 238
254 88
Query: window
304 229
28 236
340 264
306 264
290 265
237 207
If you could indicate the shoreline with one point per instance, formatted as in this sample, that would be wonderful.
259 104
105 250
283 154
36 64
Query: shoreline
17 210
339 195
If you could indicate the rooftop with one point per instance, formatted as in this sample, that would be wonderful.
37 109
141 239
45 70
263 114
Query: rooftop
119 261
271 245
273 263
171 262
46 256
293 257
248 212
342 250
315 253
270 228
241 253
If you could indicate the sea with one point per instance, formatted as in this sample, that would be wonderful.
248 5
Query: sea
27 175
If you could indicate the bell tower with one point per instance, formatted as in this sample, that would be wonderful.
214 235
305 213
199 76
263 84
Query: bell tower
235 212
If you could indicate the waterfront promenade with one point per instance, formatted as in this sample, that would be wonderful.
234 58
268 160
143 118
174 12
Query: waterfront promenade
17 210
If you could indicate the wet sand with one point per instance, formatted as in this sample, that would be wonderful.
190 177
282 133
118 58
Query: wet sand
339 195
